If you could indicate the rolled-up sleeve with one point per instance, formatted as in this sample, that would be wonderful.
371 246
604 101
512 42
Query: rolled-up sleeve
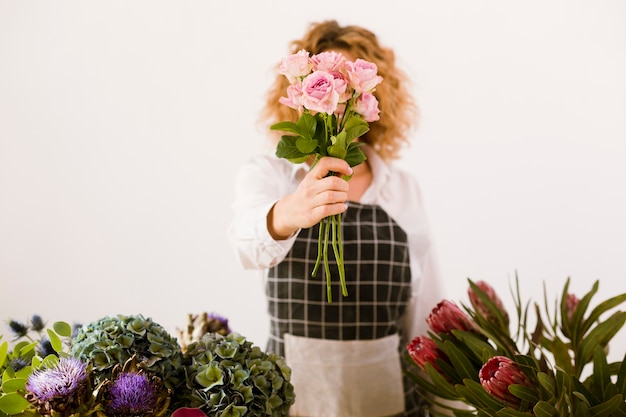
259 184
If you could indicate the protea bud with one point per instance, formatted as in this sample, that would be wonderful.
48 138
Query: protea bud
59 388
447 316
571 303
497 374
423 350
481 307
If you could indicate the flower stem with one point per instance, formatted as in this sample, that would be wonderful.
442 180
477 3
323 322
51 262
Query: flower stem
319 249
327 225
338 249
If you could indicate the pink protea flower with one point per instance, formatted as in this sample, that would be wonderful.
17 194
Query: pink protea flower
497 374
571 303
447 316
481 307
423 350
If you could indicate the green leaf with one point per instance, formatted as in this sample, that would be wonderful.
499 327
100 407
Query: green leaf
608 407
55 340
354 128
337 151
440 386
62 328
621 377
600 336
286 127
13 403
602 308
461 363
354 155
577 322
477 395
524 393
14 384
477 344
307 126
601 376
306 146
547 383
544 409
4 348
287 149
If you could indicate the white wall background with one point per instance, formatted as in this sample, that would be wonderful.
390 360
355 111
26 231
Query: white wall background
122 123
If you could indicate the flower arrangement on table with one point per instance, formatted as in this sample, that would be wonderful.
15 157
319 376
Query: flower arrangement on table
556 368
123 366
334 99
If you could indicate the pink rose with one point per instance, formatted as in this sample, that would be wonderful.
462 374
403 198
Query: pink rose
341 86
318 92
363 75
295 66
329 61
367 106
294 97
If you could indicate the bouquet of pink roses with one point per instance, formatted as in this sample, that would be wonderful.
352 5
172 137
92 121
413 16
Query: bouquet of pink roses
335 102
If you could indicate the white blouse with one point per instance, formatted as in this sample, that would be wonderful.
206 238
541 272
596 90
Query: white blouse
265 179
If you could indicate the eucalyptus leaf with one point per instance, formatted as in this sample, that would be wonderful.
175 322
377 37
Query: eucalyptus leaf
62 328
4 348
55 340
14 384
13 403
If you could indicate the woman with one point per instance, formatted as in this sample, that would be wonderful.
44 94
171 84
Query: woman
344 355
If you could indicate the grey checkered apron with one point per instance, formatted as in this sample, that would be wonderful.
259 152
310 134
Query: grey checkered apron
378 279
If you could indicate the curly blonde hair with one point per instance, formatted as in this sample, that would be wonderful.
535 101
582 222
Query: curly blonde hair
398 110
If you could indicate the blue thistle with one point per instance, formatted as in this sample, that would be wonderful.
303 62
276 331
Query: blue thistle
36 323
18 328
44 348
18 363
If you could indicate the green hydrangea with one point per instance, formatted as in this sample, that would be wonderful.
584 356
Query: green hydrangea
229 376
112 340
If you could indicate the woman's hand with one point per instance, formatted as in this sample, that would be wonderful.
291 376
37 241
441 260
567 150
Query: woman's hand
318 195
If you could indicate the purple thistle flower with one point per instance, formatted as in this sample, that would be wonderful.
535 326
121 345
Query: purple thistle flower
62 381
131 393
